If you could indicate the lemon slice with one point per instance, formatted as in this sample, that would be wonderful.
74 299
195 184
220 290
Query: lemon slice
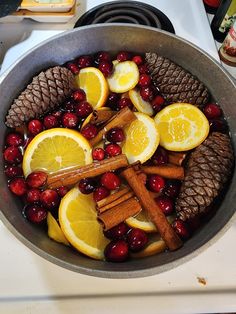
140 104
93 82
124 77
54 230
56 149
181 126
141 138
78 221
155 246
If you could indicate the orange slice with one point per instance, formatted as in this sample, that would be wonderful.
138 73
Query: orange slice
140 104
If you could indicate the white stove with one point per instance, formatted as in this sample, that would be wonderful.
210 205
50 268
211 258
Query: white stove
30 284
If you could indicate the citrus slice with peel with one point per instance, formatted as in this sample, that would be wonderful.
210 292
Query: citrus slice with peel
124 77
56 149
54 230
181 126
140 104
155 246
78 221
94 83
141 138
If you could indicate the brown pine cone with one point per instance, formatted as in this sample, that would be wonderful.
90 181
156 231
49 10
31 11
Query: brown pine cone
46 91
208 169
175 83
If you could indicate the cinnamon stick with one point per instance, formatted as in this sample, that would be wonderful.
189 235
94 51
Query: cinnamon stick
118 201
112 197
124 117
154 212
168 171
176 158
101 116
70 177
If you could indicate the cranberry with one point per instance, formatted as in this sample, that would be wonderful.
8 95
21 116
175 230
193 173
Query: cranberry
112 150
181 229
102 56
18 186
113 100
62 191
212 111
115 135
137 59
87 185
123 56
50 199
137 239
100 193
157 103
116 251
33 195
14 139
12 155
155 183
144 80
36 179
160 157
50 122
69 105
73 67
146 93
143 69
13 171
98 153
117 232
110 180
166 204
35 213
70 120
79 95
172 188
106 67
84 61
89 131
217 125
35 126
83 109
125 102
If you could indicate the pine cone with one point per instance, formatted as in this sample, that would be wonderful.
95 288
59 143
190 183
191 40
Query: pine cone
175 83
208 169
46 91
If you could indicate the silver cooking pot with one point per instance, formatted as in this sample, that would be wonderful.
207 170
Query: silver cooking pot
116 37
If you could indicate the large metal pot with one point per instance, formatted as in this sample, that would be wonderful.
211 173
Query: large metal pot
115 37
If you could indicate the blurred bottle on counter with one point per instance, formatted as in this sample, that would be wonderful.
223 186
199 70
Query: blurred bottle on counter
211 6
227 51
223 19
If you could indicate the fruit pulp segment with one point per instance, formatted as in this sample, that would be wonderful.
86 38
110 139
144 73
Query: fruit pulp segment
75 212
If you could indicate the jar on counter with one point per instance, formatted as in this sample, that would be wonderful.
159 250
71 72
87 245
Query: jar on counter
227 50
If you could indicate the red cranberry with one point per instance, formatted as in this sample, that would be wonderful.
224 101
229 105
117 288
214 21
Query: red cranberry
50 199
166 204
155 183
137 59
106 67
102 56
83 109
143 69
117 232
144 80
13 171
217 125
14 139
115 135
116 251
35 126
12 155
36 179
70 120
137 239
113 100
79 95
18 186
212 111
50 122
160 157
84 61
112 150
157 103
172 188
181 229
123 56
36 214
69 105
73 67
146 93
110 180
89 131
100 193
125 102
33 195
87 185
62 191
98 153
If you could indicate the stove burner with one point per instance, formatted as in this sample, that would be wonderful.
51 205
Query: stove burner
122 12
